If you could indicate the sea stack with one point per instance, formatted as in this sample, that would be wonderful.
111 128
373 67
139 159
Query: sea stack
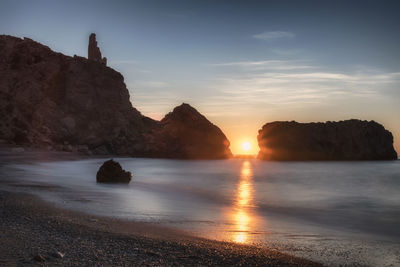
343 140
187 134
94 51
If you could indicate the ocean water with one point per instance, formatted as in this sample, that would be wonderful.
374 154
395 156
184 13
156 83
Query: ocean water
338 213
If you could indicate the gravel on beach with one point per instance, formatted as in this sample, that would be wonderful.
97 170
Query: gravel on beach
37 233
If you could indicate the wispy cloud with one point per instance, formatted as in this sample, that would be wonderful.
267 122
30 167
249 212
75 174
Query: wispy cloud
285 51
123 62
297 88
274 35
149 84
267 64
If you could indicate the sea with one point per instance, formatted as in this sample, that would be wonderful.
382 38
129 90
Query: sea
337 213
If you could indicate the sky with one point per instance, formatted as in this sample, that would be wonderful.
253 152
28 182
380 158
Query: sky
240 63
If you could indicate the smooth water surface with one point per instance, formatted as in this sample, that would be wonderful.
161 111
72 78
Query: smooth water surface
334 212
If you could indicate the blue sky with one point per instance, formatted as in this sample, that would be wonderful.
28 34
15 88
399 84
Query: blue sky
241 63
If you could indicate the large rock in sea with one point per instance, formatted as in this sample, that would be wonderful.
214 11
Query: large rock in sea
49 100
185 133
112 172
343 140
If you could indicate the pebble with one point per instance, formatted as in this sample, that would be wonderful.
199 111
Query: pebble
39 258
88 245
57 255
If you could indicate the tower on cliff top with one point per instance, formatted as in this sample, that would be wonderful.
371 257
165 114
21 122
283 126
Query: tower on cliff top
94 51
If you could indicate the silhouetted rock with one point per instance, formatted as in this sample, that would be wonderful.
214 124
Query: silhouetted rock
185 133
94 51
112 172
52 101
343 140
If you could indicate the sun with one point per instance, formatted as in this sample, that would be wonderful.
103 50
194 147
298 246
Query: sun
246 146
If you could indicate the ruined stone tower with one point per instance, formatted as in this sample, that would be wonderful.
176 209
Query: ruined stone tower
94 51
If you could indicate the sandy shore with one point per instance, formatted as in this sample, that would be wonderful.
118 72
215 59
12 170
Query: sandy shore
35 232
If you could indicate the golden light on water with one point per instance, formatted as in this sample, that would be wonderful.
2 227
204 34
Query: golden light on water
241 214
242 220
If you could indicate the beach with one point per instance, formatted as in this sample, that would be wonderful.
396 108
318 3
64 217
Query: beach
231 212
36 232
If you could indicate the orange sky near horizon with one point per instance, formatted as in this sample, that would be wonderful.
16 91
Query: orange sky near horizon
249 134
238 139
245 128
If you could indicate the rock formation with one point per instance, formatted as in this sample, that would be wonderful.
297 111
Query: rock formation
185 133
54 101
49 100
343 140
94 51
112 172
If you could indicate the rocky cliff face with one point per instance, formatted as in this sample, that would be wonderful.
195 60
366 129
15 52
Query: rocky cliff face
343 140
185 133
54 101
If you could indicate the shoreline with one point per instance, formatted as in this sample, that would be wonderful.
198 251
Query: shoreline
33 227
31 180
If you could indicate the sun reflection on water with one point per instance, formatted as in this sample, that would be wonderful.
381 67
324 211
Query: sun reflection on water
241 213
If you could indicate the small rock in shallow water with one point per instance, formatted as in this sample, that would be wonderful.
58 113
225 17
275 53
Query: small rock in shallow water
112 172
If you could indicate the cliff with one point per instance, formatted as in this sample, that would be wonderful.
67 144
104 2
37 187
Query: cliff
343 140
57 102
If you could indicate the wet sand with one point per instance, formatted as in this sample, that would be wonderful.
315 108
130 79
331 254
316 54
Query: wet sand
33 228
